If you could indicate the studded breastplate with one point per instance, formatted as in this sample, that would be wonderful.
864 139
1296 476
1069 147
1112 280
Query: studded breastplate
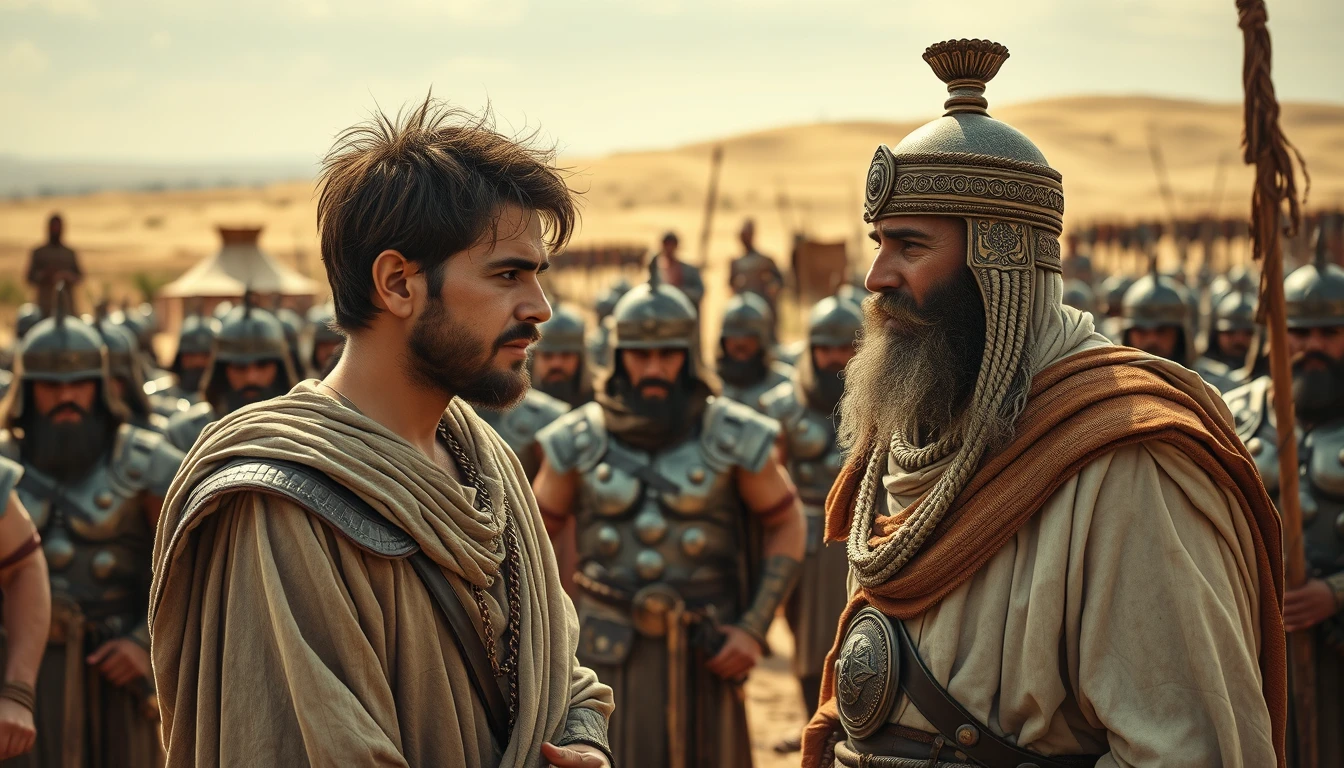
663 518
814 458
1321 484
95 537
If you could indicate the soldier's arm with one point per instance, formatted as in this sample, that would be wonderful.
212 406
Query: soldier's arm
27 592
555 492
770 495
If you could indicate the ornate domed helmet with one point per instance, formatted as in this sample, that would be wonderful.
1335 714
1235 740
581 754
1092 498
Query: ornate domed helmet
655 315
1314 294
63 349
248 334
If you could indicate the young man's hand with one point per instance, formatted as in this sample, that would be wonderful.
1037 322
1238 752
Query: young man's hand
574 756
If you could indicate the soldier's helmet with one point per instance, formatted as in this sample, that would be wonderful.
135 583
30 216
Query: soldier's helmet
137 322
1079 295
833 322
123 360
655 315
196 337
248 334
64 349
1313 295
321 318
607 304
1157 301
29 314
564 332
1113 289
747 315
1236 312
293 325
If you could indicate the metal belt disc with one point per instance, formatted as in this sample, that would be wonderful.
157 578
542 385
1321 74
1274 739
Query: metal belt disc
867 674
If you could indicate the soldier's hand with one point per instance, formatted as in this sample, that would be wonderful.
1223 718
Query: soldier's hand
737 656
121 661
17 733
574 756
1308 605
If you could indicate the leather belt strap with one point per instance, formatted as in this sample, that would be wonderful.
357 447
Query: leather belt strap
642 471
962 730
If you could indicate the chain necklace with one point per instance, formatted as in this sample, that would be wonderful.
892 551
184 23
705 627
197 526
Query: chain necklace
511 575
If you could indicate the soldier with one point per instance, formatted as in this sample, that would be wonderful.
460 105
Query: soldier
558 365
1078 294
804 406
27 317
1155 317
1113 291
27 615
678 273
1314 308
1060 553
746 356
181 389
250 363
754 272
51 264
1232 332
126 374
94 485
293 325
599 351
518 425
327 341
670 487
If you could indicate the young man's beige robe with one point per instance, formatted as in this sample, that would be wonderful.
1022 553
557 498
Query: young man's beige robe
278 642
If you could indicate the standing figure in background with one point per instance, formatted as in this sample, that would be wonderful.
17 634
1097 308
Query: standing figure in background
747 364
754 272
51 264
805 407
94 485
689 537
250 362
1314 307
678 273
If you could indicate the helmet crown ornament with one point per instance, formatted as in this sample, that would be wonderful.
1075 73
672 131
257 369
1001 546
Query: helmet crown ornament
966 66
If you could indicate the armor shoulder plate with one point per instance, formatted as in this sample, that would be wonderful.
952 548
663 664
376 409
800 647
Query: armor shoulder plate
1326 469
185 426
10 473
577 440
537 410
1247 404
144 460
734 435
335 504
781 403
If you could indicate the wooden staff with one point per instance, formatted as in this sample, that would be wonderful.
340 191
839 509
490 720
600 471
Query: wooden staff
1268 150
711 200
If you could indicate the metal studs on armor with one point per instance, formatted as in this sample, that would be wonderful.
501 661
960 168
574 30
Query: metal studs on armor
608 540
806 472
604 472
103 564
727 442
583 440
1255 446
697 475
103 499
693 542
650 526
968 736
59 551
649 565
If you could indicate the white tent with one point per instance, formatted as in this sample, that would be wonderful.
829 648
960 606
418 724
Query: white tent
240 265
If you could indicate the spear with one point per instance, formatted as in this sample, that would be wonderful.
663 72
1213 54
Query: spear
711 199
1268 150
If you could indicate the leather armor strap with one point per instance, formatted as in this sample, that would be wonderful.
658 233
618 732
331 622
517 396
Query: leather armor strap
642 471
365 527
23 550
962 730
46 489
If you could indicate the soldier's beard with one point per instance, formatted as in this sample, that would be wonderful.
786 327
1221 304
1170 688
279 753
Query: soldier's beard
445 356
190 379
651 423
237 398
918 376
561 387
742 372
827 388
1318 393
67 451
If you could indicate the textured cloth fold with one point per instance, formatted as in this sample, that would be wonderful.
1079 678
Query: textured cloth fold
1088 406
277 641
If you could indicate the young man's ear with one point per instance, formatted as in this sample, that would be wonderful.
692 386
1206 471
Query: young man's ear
398 283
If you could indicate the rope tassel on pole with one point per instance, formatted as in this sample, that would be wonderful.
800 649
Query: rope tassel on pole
1273 198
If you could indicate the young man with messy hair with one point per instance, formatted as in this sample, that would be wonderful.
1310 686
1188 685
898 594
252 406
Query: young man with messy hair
356 573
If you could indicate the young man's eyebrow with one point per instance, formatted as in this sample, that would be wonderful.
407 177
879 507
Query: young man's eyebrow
904 233
518 262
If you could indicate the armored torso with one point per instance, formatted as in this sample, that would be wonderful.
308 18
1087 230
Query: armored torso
1320 455
185 426
519 425
673 517
752 394
95 533
815 460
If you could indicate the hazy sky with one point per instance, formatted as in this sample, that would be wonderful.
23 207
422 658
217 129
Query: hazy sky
171 80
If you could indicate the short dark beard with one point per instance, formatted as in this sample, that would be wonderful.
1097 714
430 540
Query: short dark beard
919 376
566 389
743 373
233 399
445 357
1318 394
190 379
827 388
67 451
